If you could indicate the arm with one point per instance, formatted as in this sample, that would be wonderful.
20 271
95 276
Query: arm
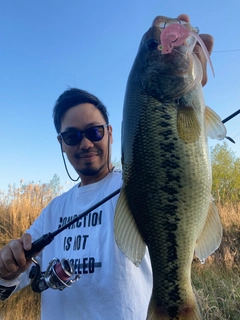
12 257
13 265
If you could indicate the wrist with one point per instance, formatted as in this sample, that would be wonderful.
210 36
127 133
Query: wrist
10 277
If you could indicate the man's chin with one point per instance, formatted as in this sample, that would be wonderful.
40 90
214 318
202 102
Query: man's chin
90 172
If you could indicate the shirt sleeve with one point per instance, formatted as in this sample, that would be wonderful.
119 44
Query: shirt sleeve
8 287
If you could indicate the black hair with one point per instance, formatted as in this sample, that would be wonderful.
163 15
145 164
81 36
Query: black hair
72 97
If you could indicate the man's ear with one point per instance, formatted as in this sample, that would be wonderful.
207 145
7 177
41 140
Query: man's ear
110 134
59 138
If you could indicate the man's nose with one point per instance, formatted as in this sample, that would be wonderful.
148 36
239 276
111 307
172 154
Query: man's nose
85 143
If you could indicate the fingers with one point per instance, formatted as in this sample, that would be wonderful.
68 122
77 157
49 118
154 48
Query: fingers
208 41
12 257
183 17
26 240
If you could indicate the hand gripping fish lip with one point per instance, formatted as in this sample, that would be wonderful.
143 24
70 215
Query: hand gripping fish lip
175 35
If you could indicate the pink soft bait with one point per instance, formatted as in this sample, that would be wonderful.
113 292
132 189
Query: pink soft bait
175 34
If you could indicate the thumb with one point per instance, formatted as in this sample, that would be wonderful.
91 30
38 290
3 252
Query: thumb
26 240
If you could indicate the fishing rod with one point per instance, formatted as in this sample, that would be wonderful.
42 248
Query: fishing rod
59 274
229 118
47 238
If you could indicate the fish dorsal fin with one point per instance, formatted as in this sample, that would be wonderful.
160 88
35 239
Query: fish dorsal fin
126 232
211 236
188 125
215 128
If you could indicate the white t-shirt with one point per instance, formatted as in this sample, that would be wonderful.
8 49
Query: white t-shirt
111 287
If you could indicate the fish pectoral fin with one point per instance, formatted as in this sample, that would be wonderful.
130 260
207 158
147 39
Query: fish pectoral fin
211 236
214 126
188 125
127 236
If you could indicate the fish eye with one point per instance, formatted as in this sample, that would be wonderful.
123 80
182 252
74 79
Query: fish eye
152 44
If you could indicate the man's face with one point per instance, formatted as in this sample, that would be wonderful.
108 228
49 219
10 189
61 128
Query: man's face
89 159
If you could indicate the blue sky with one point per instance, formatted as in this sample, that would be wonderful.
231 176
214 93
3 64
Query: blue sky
47 46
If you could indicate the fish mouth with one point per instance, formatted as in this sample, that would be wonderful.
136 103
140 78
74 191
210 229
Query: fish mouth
166 76
163 23
176 63
178 43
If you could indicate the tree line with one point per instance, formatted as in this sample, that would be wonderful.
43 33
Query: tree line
225 174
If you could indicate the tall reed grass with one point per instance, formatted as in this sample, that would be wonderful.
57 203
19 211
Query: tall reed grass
19 207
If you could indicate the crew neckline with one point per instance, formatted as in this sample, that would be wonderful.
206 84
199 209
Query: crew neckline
94 185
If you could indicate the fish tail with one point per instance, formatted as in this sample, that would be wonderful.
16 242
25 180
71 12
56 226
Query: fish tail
188 312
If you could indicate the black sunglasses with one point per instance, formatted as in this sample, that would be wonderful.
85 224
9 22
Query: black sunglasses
74 137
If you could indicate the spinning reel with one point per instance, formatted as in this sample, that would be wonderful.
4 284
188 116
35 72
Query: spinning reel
58 275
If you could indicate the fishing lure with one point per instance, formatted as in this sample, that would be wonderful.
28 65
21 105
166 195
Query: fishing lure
175 34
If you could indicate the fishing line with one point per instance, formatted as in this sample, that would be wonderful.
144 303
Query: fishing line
236 135
233 137
220 51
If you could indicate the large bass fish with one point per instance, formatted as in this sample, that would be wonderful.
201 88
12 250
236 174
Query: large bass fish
165 202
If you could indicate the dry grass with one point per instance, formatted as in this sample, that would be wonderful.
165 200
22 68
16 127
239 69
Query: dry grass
217 291
18 209
216 283
23 305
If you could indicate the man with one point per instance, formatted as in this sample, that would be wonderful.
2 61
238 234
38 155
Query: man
111 287
109 282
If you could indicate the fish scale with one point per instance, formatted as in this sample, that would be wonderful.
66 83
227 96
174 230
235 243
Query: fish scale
169 173
165 199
